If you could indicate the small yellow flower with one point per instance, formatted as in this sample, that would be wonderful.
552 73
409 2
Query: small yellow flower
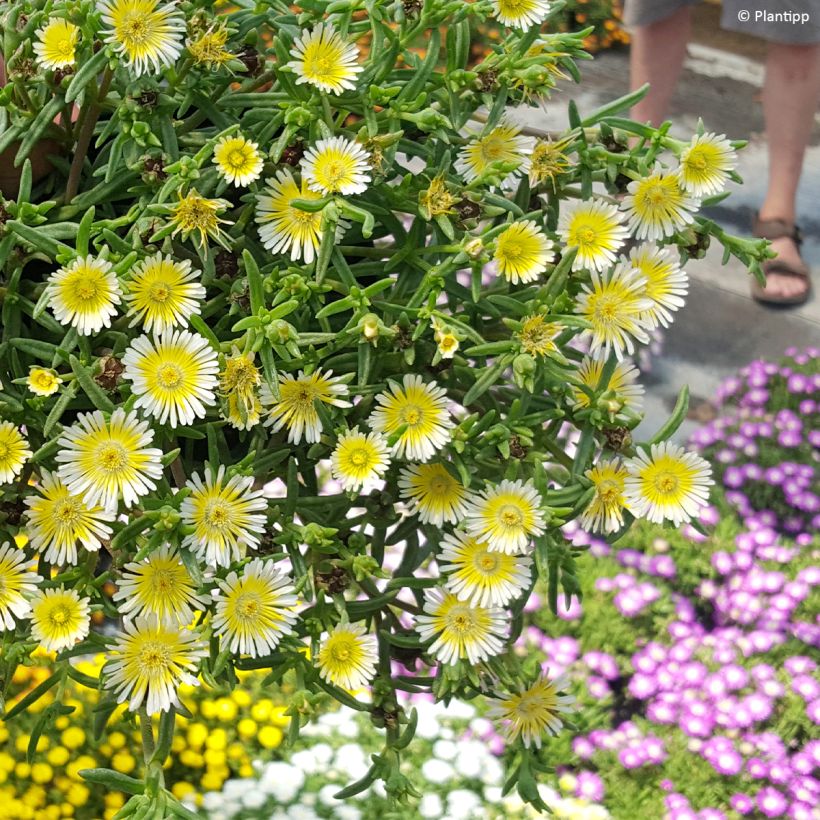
84 294
209 48
348 656
521 13
522 252
14 452
336 165
445 339
537 336
238 160
56 43
239 384
43 382
548 161
196 214
504 143
18 582
506 516
437 199
359 458
59 618
595 229
705 164
433 493
605 511
325 60
657 207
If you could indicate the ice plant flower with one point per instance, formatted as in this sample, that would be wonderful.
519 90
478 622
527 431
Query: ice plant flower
359 459
18 582
14 452
522 252
84 294
433 493
605 511
60 521
208 49
595 229
42 381
537 336
160 586
227 516
104 461
547 162
296 406
56 43
147 33
446 341
336 165
504 144
150 661
174 376
196 214
255 609
459 630
615 305
667 484
666 283
284 228
421 409
623 383
705 164
656 207
238 160
239 383
59 618
506 516
521 13
479 575
348 656
163 293
533 711
323 59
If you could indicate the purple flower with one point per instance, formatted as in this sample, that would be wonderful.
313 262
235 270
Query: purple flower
728 763
771 802
589 786
741 803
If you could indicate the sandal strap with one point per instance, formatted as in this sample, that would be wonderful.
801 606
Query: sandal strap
777 229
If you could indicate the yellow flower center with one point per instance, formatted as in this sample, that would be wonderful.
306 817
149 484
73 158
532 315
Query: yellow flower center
655 194
170 376
492 148
698 161
60 615
511 516
461 621
334 173
439 485
412 414
112 457
236 158
608 491
341 651
586 236
154 657
359 457
159 292
319 65
487 562
216 514
606 309
5 450
163 580
135 28
68 511
85 289
513 250
248 606
666 483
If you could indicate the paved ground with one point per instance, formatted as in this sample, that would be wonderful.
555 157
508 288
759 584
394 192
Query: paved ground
721 328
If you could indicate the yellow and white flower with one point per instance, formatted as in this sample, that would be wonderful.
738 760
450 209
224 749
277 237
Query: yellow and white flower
615 305
418 407
506 516
296 406
537 336
197 214
504 143
445 339
59 618
174 376
336 166
605 511
59 521
667 484
43 381
433 493
482 576
460 631
255 610
238 160
533 711
522 252
239 383
18 582
359 459
227 516
666 284
657 207
150 661
102 461
14 452
348 656
323 59
160 586
147 33
705 164
163 293
84 294
56 43
284 228
623 383
595 228
521 13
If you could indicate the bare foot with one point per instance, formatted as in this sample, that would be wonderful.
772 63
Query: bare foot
780 285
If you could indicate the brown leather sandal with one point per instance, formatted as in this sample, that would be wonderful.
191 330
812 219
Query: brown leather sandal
777 229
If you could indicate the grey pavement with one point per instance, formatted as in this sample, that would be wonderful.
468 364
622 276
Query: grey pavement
721 328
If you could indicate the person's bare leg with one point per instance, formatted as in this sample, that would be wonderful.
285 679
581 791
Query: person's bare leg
790 98
656 57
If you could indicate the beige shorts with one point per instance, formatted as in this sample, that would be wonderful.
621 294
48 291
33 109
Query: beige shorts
780 21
